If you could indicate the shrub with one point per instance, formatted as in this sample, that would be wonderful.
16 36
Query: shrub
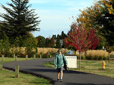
111 56
82 57
100 58
22 55
37 56
96 58
8 54
105 58
31 54
92 57
87 57
46 55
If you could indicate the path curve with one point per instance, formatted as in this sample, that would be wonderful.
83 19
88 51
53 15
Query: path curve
36 67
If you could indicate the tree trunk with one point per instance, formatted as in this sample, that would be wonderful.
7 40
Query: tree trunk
76 58
109 57
80 61
85 53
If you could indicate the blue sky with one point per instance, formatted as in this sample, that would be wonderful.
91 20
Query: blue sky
54 14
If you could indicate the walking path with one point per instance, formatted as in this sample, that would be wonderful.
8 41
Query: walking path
36 67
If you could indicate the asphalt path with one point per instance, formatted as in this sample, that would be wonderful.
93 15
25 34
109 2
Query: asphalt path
36 67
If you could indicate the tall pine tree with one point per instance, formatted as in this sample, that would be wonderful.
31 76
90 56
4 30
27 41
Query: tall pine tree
58 44
19 20
63 35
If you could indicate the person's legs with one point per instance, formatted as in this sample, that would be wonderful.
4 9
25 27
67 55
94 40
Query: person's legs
58 73
61 74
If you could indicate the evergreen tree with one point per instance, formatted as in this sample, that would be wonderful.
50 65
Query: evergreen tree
106 21
63 35
58 44
52 42
41 41
54 36
48 42
19 20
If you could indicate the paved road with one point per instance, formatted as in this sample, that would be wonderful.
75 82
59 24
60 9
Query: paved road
36 67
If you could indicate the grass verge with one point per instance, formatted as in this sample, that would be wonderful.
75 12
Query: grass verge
92 66
8 77
9 59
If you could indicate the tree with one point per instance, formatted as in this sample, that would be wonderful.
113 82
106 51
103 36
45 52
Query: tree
87 17
4 45
31 46
109 5
81 39
50 42
54 36
58 44
63 35
106 21
41 41
19 20
100 17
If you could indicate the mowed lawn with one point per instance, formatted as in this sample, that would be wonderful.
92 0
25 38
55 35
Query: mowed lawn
9 59
8 77
92 66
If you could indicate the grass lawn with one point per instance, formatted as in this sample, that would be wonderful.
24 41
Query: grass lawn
9 59
92 66
8 77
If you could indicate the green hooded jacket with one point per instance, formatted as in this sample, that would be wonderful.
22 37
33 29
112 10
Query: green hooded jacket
58 61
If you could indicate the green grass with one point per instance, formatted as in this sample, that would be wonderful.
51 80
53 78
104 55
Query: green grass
92 66
9 59
8 77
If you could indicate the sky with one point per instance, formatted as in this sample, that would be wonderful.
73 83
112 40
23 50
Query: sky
55 15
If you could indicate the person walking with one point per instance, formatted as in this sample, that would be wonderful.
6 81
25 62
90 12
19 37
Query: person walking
59 63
